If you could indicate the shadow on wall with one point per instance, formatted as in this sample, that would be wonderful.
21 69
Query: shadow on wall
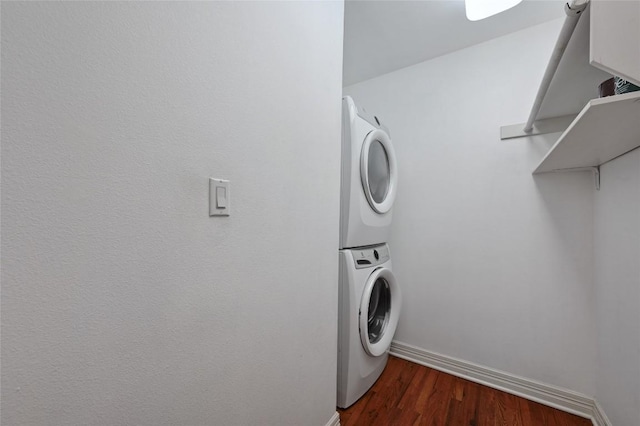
567 206
566 198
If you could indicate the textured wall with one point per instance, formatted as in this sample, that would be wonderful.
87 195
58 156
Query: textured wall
495 264
122 301
617 281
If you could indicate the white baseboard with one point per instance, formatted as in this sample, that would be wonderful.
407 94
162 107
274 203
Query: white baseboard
553 396
335 420
599 417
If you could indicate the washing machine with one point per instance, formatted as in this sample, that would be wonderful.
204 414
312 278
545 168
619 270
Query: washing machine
368 178
369 306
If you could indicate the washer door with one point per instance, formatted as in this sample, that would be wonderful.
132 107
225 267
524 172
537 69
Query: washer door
379 311
378 170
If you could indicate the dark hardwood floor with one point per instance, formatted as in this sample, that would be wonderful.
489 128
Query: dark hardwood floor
411 394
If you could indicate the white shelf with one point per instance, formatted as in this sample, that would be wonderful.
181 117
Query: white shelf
605 129
576 81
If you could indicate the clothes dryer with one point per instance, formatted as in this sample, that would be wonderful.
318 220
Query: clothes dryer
368 178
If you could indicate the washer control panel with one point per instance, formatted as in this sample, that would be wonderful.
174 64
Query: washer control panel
368 257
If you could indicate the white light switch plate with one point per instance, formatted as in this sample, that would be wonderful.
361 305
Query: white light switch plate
219 197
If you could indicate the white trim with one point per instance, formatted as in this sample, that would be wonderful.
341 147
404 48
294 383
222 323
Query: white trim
599 417
553 396
335 420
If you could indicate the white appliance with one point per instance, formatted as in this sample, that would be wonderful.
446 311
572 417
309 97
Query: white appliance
368 178
369 306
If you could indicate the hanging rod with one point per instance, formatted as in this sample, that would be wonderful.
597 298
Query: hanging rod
573 10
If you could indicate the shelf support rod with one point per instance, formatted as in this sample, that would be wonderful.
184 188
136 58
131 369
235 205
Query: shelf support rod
573 11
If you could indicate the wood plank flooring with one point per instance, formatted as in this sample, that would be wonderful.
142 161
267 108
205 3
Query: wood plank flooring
411 394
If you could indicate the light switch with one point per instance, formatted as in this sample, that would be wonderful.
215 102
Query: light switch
219 197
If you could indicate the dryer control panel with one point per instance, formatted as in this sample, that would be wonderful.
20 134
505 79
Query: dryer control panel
368 257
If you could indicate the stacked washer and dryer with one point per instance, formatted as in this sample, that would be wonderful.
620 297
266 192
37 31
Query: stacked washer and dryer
369 296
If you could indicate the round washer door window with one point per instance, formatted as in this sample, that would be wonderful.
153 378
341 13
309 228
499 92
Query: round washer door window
379 311
378 171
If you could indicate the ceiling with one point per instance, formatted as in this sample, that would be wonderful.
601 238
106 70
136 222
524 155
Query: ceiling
383 36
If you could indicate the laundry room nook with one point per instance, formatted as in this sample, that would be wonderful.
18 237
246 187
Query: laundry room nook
320 213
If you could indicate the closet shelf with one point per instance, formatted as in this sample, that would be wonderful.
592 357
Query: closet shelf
605 129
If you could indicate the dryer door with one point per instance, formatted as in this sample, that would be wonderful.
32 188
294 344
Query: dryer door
379 311
378 170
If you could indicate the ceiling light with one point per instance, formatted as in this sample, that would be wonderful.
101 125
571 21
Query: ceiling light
480 9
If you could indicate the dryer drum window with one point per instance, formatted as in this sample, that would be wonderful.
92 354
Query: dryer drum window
378 171
378 312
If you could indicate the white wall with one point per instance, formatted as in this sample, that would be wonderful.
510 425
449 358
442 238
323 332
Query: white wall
617 283
122 301
495 264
